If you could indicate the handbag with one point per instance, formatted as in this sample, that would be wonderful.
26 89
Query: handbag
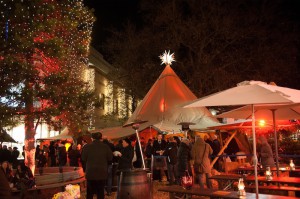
187 181
199 168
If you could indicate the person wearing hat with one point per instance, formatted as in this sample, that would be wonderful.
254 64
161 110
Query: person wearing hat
96 156
126 155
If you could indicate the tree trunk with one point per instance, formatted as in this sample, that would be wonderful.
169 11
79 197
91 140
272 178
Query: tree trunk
29 131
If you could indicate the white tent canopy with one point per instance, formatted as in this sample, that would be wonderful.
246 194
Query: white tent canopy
162 108
64 135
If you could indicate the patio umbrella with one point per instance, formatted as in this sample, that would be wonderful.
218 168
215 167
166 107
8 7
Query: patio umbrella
250 93
267 112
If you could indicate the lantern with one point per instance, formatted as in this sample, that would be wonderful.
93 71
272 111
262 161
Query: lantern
292 165
269 174
241 187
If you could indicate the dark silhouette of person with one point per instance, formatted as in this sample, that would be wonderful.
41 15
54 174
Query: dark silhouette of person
96 155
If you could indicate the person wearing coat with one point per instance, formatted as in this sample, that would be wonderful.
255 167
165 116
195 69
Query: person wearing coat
96 156
171 153
159 164
126 155
184 156
265 152
74 156
200 155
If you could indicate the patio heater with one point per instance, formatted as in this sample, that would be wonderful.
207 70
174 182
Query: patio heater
185 127
136 125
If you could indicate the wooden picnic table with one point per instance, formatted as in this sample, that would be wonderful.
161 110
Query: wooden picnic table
213 193
250 178
250 170
280 180
226 182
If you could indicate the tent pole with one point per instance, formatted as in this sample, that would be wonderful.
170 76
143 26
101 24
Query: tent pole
141 150
254 152
222 150
276 142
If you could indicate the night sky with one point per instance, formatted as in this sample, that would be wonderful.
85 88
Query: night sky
110 14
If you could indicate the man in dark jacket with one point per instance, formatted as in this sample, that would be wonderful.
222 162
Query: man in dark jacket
171 153
126 155
96 155
159 146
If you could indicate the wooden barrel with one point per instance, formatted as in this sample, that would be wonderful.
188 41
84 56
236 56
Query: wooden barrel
134 184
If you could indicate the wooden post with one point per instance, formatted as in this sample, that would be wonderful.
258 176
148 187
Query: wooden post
222 150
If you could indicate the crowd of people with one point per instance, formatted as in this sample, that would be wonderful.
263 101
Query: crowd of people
16 173
173 158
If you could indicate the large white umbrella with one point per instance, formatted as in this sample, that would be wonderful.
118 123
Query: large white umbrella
250 93
266 112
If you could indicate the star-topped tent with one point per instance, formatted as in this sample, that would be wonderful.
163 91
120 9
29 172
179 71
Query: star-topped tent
167 58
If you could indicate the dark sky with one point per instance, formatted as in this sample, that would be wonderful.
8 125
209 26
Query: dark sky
110 14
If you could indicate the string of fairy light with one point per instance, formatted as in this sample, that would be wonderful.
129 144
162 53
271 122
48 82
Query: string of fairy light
40 39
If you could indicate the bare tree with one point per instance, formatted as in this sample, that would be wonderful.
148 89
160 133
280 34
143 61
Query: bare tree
216 43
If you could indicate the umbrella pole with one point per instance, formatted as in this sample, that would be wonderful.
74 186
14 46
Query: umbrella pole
254 151
141 150
276 142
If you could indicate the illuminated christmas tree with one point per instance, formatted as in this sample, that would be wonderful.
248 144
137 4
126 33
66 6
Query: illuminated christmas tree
43 54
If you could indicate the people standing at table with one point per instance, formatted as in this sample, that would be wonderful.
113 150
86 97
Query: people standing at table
171 153
96 156
200 156
265 152
159 145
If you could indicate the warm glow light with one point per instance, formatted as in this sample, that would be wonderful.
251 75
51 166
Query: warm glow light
162 105
262 123
241 187
292 165
67 145
167 58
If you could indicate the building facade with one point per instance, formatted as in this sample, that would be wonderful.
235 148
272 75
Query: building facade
115 104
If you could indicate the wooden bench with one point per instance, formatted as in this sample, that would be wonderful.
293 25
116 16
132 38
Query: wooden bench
273 189
196 191
213 193
35 190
